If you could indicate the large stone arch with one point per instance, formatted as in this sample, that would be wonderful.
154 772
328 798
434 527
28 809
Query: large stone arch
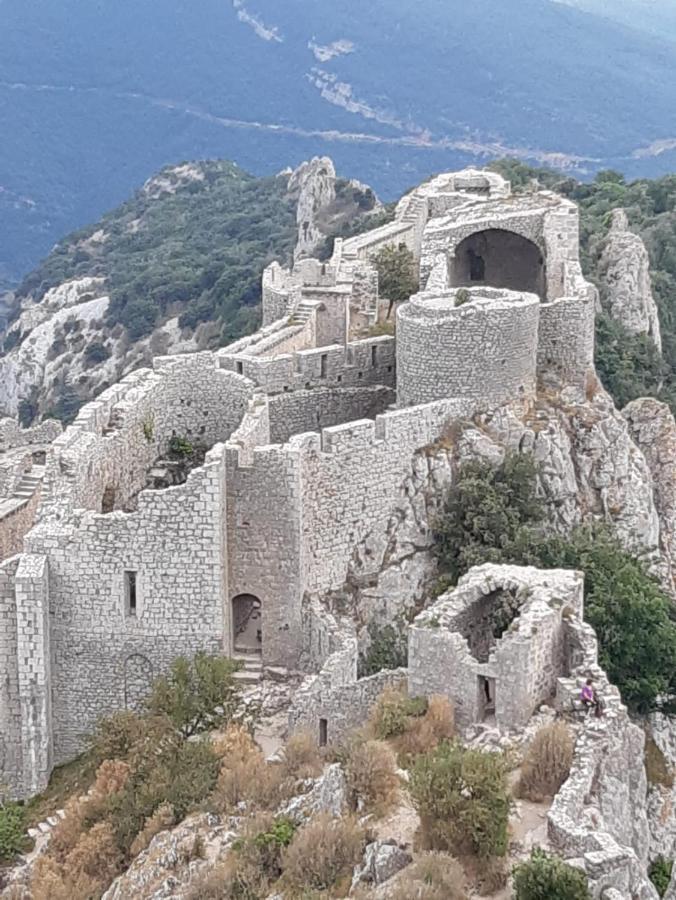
138 680
499 258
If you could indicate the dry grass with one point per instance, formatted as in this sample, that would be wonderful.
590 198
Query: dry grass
161 819
301 757
84 872
244 776
433 876
547 763
372 780
322 852
426 732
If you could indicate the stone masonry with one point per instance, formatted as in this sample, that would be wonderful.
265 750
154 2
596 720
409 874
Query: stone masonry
310 430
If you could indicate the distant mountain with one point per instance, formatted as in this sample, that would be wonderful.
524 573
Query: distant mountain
177 268
655 16
96 95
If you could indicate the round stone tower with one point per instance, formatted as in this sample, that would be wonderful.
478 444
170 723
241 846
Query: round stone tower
475 343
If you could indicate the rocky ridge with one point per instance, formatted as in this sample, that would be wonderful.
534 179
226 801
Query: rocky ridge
625 269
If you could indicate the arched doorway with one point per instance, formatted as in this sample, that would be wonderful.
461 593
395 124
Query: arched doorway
499 258
247 626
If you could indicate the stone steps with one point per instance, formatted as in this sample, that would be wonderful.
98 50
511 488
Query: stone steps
30 481
43 828
302 313
252 666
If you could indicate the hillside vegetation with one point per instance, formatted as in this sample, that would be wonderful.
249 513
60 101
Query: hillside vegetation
193 243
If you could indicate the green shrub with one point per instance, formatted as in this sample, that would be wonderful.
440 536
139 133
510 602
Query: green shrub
486 514
12 833
181 447
462 798
388 649
546 877
392 713
660 874
198 694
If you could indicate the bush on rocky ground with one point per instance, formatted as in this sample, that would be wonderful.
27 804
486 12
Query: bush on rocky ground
322 852
547 763
660 874
433 876
462 799
392 713
12 831
372 779
424 733
546 877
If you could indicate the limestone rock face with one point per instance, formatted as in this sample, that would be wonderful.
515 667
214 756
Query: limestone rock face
168 866
653 430
591 467
326 794
625 268
381 862
662 797
315 184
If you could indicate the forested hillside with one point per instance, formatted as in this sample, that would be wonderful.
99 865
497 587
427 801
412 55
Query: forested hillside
628 364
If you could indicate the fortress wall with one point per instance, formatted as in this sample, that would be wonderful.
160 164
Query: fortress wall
13 464
562 246
32 593
264 518
115 439
103 657
300 411
17 516
13 435
11 759
483 351
566 339
285 340
332 315
352 479
366 362
363 246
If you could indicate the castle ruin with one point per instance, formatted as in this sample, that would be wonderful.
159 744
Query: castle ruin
137 552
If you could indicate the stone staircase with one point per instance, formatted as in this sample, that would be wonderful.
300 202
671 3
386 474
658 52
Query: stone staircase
252 665
43 828
302 312
30 481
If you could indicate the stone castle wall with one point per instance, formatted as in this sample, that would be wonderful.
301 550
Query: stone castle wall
103 658
484 350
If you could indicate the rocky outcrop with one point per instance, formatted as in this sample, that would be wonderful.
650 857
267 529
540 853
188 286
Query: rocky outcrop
661 732
625 271
653 429
174 859
591 469
314 183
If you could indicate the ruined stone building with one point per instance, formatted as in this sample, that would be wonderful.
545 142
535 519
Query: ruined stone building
313 434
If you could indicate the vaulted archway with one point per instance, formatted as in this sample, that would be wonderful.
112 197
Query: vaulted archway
499 258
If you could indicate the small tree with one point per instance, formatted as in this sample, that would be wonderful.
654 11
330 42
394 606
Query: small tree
12 834
397 275
197 695
660 874
546 877
462 799
488 514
